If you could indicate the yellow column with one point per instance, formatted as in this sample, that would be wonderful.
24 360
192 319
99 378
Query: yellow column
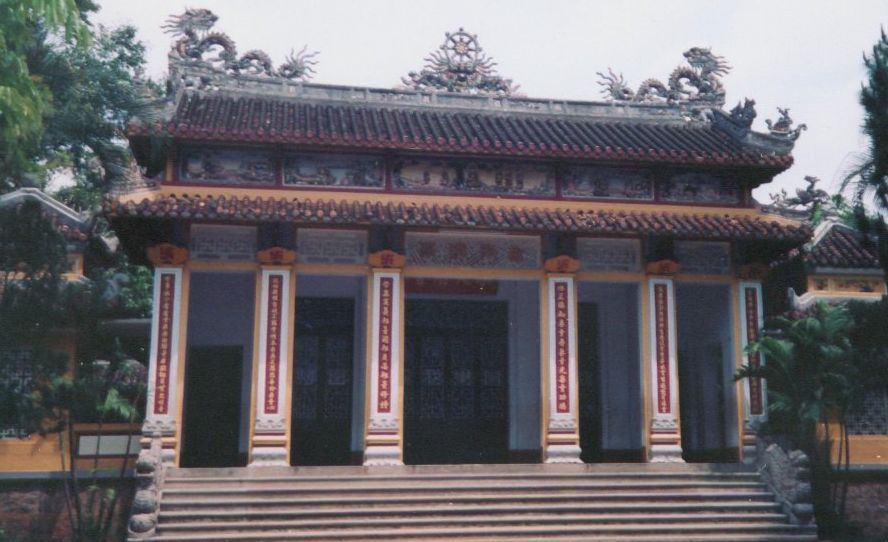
754 405
665 436
270 435
166 367
384 430
562 443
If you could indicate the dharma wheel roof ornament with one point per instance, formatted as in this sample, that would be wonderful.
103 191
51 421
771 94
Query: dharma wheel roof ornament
198 44
460 65
698 82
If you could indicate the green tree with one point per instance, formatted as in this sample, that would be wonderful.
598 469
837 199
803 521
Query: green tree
812 378
869 177
24 98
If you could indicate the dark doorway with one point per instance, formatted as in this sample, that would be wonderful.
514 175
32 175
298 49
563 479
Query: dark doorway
456 382
212 407
588 368
705 355
322 381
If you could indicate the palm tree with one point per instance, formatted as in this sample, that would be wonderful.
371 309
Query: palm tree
811 377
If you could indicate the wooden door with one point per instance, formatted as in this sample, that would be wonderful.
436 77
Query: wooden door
456 382
322 381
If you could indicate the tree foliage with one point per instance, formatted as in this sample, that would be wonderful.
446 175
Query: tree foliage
869 177
24 98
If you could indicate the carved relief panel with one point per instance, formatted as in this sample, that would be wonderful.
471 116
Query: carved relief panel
333 171
608 183
700 188
226 166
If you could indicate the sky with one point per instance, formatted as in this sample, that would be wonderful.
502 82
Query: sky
804 55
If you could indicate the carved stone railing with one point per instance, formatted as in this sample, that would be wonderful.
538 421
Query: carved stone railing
149 480
788 476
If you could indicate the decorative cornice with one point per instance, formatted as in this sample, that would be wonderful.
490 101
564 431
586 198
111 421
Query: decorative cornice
167 254
666 268
386 259
562 264
276 256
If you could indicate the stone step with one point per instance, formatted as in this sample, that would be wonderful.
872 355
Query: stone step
253 488
764 531
641 499
529 518
451 509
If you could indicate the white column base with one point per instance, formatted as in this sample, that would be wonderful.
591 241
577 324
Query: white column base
666 453
270 456
383 456
563 453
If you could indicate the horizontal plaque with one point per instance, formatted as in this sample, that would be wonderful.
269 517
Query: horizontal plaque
223 243
609 254
473 177
331 246
703 257
468 250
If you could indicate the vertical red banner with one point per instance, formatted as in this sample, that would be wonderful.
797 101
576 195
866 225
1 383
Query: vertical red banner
164 343
756 401
562 349
273 342
661 321
384 353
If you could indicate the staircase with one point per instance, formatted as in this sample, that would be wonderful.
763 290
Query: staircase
619 502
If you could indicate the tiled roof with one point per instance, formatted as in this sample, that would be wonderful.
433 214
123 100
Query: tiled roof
841 247
352 212
225 116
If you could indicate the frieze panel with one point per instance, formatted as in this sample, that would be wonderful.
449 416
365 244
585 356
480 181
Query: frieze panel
227 166
464 250
609 254
331 246
606 183
703 257
333 171
223 243
700 188
473 177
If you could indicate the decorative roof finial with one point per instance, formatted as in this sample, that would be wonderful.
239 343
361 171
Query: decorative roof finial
783 127
197 42
460 65
699 82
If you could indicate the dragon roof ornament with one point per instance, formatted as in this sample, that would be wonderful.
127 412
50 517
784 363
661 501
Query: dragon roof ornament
199 44
783 127
698 82
460 65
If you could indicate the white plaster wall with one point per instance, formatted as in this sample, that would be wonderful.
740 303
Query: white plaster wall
350 287
220 313
705 340
620 361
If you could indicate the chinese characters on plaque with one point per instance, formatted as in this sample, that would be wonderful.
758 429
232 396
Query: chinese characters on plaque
661 308
273 343
756 408
386 285
562 338
164 343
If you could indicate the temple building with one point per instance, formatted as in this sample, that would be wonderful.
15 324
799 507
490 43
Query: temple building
449 271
